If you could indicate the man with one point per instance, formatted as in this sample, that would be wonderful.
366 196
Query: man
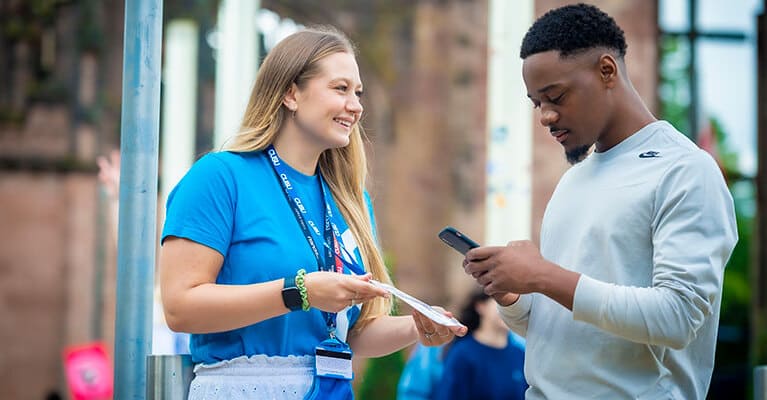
622 300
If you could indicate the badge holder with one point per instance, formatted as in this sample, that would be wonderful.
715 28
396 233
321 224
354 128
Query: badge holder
333 359
333 371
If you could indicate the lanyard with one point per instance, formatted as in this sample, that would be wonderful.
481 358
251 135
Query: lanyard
330 235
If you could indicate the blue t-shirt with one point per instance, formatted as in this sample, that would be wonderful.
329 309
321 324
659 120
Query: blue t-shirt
234 204
473 370
422 373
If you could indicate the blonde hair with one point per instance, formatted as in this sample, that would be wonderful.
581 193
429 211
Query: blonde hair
296 60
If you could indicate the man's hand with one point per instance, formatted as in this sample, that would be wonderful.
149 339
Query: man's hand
506 269
519 268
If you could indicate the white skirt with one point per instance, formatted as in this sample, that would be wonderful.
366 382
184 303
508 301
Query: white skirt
255 377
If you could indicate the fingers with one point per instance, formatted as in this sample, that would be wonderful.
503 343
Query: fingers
455 330
433 334
426 328
490 289
366 277
478 268
480 260
357 290
481 253
485 279
459 330
364 290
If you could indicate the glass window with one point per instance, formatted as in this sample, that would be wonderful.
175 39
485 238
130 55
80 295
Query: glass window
727 92
672 15
732 15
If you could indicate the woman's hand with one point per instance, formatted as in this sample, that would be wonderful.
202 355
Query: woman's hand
431 333
332 292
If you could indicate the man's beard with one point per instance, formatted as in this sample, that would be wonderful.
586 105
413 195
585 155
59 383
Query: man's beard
577 154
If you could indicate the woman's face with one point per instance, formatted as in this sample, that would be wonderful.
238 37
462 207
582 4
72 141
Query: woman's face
328 106
489 315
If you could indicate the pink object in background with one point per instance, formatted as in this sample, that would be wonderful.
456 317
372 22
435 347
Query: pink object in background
88 371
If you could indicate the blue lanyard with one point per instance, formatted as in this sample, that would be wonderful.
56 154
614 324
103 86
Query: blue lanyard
330 235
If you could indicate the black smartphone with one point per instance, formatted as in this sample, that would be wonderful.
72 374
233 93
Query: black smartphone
457 240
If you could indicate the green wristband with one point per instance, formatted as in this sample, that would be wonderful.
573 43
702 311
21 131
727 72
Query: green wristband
302 289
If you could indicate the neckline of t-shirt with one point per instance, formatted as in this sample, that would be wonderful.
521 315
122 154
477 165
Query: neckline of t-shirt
294 174
630 143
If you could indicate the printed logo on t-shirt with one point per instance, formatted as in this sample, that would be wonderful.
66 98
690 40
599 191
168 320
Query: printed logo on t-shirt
650 154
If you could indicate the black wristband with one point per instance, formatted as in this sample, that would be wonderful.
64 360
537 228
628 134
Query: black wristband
291 296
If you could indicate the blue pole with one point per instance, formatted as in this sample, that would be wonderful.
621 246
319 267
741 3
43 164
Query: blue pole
138 195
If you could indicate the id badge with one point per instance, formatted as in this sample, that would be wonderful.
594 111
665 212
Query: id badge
333 359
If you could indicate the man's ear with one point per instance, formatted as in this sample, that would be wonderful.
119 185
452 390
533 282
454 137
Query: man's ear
289 100
608 69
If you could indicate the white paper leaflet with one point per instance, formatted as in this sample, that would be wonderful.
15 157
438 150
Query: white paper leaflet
419 305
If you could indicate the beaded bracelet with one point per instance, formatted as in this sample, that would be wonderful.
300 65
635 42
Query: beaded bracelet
302 289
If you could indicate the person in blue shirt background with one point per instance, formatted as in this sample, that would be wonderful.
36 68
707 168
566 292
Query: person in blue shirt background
268 248
421 374
488 363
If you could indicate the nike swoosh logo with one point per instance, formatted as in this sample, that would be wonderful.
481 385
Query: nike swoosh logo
650 154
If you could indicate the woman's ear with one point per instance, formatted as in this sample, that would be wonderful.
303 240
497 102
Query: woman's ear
289 100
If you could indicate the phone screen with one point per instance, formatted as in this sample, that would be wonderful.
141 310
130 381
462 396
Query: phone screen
457 240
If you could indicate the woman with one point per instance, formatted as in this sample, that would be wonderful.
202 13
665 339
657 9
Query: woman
255 237
488 363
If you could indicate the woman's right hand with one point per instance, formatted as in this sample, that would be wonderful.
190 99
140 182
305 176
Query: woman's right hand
332 292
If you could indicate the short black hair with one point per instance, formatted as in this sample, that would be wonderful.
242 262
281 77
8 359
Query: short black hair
469 315
572 29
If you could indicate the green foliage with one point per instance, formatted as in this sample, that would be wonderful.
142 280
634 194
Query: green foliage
736 295
48 91
90 36
24 20
379 381
733 348
674 81
11 117
197 10
381 377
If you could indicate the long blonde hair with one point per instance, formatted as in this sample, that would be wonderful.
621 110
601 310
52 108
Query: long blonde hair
296 60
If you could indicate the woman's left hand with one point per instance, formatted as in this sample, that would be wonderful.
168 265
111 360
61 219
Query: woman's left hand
431 333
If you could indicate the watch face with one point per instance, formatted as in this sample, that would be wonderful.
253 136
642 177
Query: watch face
292 298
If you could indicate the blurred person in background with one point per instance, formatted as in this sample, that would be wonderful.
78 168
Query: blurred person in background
269 249
422 373
622 300
488 362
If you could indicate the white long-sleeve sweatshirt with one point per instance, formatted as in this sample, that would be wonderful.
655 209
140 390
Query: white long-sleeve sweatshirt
650 225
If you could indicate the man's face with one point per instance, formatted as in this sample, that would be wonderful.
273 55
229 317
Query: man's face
571 96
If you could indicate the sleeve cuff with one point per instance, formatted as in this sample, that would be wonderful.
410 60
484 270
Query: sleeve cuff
517 310
589 300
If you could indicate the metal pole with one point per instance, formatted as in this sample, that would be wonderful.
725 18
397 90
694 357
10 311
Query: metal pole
138 195
692 71
169 376
759 264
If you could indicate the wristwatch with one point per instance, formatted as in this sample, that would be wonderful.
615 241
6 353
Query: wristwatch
291 296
